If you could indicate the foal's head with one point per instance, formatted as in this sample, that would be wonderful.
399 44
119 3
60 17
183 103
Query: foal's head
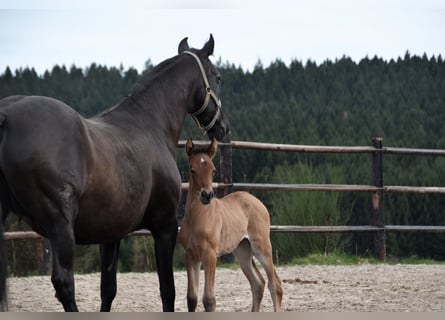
202 169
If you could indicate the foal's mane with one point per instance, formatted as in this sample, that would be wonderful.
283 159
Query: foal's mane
200 149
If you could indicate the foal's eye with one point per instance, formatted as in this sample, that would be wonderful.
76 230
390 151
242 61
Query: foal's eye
192 171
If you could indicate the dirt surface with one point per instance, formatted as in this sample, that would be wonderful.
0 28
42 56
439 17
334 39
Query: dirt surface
306 288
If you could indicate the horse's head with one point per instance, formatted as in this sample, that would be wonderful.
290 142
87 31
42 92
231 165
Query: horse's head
202 169
205 104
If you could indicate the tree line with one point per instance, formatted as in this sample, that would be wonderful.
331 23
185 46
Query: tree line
338 102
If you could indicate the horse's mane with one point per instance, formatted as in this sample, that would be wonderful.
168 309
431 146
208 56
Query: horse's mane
150 75
143 83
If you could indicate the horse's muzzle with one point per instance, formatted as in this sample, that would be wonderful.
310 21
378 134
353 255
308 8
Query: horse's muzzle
206 197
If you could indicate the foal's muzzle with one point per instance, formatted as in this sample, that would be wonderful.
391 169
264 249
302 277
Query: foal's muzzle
206 197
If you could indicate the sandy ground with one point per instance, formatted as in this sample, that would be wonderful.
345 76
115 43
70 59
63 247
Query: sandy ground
306 288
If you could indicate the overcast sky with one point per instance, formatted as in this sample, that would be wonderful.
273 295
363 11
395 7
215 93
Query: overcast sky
41 34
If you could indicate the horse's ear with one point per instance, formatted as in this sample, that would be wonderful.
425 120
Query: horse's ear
189 147
207 50
211 151
183 46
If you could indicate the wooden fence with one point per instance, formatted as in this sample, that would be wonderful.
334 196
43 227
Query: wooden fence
377 189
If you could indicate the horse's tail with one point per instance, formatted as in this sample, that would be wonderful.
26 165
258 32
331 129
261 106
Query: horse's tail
3 297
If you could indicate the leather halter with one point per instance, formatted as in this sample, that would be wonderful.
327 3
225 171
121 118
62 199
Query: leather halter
209 94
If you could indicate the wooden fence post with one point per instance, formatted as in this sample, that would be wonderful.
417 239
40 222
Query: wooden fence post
44 256
378 214
225 173
225 166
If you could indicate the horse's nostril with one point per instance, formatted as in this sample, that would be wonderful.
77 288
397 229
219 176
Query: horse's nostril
206 197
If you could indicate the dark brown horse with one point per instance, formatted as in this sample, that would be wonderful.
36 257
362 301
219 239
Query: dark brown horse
77 180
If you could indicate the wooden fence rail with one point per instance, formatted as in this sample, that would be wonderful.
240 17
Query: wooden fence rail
377 189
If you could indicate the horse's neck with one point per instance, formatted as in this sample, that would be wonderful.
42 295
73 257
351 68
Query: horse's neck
154 108
192 202
160 110
193 205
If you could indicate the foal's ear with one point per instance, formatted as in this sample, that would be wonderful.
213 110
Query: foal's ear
189 147
211 151
183 46
207 50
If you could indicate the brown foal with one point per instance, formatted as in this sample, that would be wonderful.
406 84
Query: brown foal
238 223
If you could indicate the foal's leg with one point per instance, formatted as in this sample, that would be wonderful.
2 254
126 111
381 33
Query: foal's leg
109 254
164 248
262 250
63 247
209 263
257 283
192 265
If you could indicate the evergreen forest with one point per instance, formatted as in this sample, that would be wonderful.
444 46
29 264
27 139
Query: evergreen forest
335 103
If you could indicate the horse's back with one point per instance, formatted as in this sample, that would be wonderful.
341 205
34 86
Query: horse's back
38 132
248 204
38 119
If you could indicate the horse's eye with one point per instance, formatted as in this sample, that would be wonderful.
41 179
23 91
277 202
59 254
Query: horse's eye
217 76
213 172
192 171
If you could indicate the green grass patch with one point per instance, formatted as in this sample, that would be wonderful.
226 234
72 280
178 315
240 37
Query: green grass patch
344 259
413 260
331 259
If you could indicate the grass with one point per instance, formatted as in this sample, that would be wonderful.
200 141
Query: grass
338 259
331 259
343 259
413 260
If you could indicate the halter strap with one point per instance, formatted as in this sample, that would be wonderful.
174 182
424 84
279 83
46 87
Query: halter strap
209 94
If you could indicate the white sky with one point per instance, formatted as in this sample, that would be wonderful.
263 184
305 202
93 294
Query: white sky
41 34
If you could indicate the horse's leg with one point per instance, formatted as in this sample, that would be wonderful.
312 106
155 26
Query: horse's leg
257 283
262 250
60 210
192 266
164 248
109 254
63 247
209 263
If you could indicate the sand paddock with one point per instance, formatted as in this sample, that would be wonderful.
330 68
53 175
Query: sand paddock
366 287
